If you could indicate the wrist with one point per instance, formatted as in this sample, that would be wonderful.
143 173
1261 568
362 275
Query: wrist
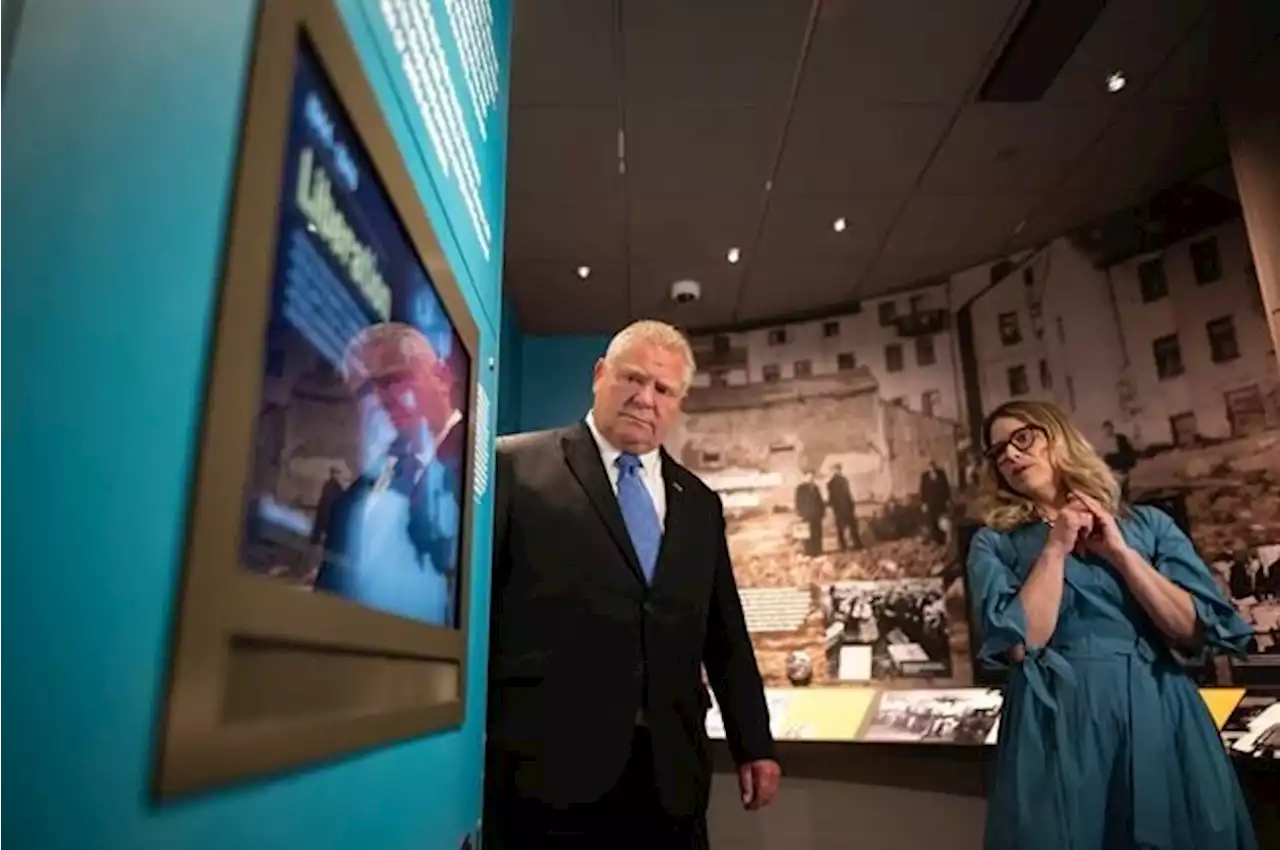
1126 560
1056 548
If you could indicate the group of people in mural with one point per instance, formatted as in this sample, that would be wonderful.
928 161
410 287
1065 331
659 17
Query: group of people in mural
927 513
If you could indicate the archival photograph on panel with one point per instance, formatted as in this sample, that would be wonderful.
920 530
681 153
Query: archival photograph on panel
1262 740
966 716
832 444
1251 705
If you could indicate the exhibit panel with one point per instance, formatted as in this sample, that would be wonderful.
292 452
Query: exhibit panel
966 716
330 587
128 147
440 71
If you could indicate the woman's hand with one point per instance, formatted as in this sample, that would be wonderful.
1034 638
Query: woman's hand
1071 527
1104 538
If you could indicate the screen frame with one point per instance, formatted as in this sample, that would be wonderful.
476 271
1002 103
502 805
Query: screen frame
220 602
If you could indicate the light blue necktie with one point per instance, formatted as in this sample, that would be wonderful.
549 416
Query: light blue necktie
639 513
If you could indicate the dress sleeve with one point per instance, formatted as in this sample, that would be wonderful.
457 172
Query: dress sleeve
993 588
1175 557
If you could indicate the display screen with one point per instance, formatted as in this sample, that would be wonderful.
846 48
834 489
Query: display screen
356 482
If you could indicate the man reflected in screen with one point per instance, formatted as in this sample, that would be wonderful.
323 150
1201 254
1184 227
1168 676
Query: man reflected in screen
392 537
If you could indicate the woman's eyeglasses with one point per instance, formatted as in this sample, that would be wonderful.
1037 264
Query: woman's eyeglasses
1022 439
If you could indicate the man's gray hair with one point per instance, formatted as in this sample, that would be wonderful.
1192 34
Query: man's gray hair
657 333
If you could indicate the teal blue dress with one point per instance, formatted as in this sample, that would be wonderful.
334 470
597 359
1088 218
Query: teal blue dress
1104 741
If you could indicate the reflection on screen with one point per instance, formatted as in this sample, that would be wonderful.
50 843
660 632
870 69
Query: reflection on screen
356 486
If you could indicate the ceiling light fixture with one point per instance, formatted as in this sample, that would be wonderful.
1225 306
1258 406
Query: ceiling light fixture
734 255
584 272
1116 80
839 225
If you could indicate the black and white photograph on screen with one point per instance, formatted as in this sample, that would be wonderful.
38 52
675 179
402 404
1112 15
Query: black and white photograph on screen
1252 704
829 475
884 630
1262 741
966 716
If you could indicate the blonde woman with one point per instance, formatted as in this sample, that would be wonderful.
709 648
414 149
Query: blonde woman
1104 742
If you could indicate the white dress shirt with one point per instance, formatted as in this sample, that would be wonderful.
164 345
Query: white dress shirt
650 472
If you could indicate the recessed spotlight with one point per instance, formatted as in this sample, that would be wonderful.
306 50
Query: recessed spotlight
734 255
584 272
1116 80
839 225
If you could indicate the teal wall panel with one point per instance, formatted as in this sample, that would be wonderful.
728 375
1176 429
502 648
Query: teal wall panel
118 157
555 378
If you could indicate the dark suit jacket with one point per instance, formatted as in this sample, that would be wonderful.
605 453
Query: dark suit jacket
580 643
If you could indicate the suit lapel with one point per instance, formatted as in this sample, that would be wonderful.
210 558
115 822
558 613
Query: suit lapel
583 457
673 525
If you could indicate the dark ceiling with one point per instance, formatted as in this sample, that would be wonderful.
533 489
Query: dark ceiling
648 137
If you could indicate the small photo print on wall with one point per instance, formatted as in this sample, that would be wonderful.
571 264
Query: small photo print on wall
960 716
1244 714
887 629
1262 740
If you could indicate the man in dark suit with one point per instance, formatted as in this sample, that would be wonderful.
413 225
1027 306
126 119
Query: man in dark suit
840 497
612 588
935 494
811 509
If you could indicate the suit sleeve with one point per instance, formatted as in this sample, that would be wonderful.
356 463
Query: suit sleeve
731 665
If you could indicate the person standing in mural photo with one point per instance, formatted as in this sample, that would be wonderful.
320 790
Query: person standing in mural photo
843 507
810 508
1104 741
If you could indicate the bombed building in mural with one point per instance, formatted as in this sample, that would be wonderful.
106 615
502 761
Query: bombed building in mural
825 482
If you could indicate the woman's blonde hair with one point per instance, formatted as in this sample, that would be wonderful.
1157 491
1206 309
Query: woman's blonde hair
1074 459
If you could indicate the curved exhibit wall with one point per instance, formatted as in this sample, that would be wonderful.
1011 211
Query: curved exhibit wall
863 601
120 152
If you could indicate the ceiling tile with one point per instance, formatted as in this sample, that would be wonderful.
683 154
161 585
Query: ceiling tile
1133 36
800 227
948 225
695 150
574 229
890 274
1005 147
783 288
550 298
1141 150
1062 211
563 150
712 51
907 51
700 228
837 150
1232 38
651 292
563 54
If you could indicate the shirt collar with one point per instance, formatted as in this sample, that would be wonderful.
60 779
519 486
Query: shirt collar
609 454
